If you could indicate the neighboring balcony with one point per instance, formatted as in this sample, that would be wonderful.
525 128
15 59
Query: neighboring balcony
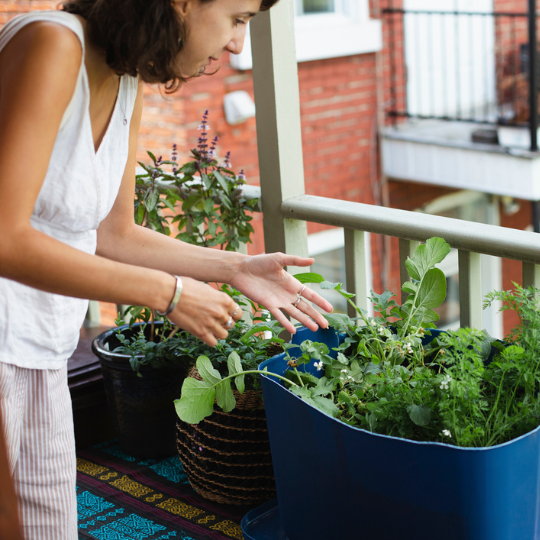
461 92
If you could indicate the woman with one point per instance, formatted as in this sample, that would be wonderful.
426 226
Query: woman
70 109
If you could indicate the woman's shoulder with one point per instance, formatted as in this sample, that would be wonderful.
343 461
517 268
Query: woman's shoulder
42 51
53 28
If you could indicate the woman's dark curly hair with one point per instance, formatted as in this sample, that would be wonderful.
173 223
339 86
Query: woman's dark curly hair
139 37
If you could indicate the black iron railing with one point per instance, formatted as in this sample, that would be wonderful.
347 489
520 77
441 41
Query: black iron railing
464 66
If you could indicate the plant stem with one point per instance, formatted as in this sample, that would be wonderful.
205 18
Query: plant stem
298 375
260 372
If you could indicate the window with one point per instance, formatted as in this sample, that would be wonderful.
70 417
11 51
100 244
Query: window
327 29
316 6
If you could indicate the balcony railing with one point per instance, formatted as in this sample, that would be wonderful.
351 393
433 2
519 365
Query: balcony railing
464 66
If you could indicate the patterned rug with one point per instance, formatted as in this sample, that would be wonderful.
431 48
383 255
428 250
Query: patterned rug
124 498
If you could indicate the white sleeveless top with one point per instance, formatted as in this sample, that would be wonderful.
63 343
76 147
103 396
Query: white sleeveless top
38 329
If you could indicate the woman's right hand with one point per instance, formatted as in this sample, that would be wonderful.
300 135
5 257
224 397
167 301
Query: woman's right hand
204 311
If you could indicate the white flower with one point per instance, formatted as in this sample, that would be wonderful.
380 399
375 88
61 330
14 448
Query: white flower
318 365
373 323
445 382
446 433
381 330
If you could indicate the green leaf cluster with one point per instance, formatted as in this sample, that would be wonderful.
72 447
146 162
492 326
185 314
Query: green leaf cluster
203 198
459 387
254 339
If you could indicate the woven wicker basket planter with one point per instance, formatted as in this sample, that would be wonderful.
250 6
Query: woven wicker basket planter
227 456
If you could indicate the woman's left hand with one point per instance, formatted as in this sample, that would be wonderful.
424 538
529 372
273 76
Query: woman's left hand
263 279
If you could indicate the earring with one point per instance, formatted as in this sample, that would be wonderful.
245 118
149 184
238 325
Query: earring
179 41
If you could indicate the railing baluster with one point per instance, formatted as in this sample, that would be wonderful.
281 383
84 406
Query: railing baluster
356 268
279 136
470 289
406 249
531 275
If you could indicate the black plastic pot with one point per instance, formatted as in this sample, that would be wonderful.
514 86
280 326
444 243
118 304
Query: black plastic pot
142 408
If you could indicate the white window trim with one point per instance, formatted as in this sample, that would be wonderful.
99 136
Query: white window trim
327 35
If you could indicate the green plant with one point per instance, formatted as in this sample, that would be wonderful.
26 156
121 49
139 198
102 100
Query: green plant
393 375
205 200
213 210
253 340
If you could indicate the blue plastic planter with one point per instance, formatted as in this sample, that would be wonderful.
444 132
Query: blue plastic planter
337 482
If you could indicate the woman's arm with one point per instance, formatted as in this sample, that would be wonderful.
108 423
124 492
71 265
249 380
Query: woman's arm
261 278
38 73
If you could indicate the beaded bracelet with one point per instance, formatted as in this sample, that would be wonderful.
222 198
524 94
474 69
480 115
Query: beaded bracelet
176 297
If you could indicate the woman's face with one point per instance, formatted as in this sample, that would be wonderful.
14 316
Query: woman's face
212 28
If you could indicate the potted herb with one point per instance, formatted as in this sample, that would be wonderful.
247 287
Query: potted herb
416 433
144 362
227 455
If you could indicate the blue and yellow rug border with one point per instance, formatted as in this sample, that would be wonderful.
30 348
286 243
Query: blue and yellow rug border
120 497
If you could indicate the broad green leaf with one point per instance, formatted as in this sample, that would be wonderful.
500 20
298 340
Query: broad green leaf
412 269
326 405
224 396
206 181
309 277
409 287
372 368
432 291
152 200
206 370
235 366
196 402
338 320
324 387
328 285
222 181
208 205
256 329
426 256
426 316
419 414
168 204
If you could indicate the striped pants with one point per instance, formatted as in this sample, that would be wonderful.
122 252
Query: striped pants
38 425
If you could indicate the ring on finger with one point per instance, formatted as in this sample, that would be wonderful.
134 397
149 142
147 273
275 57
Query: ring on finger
229 323
299 294
297 301
235 312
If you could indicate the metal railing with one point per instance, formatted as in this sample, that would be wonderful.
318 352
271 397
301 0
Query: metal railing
464 66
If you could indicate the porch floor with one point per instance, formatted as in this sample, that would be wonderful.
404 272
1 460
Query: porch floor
119 496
